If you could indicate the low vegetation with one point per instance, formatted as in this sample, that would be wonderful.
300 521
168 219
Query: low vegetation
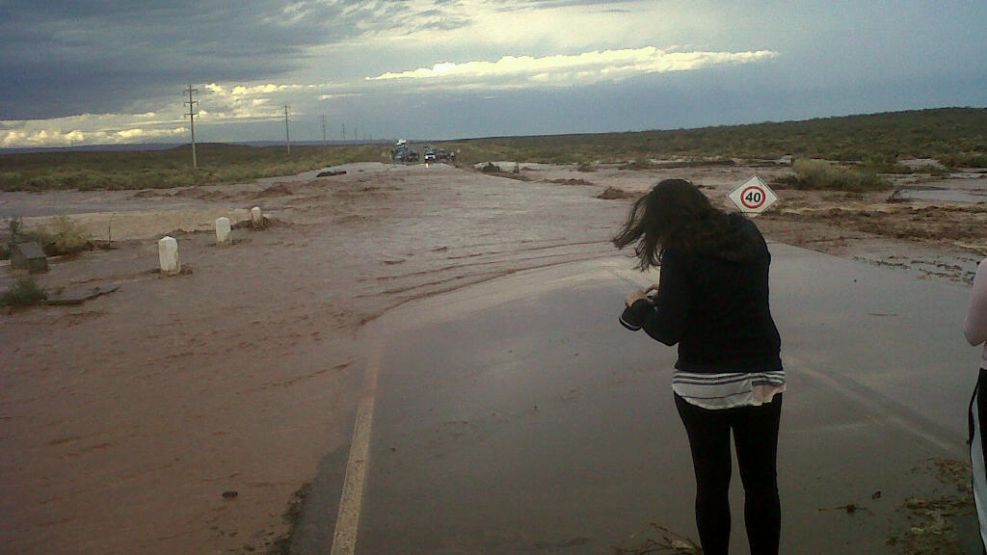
62 236
218 163
23 293
956 137
639 164
823 175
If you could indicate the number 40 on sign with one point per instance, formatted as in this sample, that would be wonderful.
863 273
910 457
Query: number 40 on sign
753 197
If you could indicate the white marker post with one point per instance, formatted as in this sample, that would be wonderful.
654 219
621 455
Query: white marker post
256 218
753 197
222 231
168 256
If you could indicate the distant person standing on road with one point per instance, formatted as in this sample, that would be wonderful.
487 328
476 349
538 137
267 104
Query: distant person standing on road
712 300
976 334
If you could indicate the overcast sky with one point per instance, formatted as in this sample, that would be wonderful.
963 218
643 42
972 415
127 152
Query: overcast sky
113 71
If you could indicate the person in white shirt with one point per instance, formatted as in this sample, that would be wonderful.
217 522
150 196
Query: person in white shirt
976 334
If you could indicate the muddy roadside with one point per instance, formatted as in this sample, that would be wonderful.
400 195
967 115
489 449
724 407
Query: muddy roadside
182 414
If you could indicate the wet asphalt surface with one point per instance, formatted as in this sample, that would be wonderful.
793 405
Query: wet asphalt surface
518 416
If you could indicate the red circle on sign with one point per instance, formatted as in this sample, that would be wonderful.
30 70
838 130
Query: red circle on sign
761 195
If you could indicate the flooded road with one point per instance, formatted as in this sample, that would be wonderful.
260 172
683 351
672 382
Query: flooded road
180 415
519 417
126 419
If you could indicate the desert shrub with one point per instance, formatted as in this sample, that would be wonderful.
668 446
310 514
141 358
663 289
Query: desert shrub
62 236
881 164
585 167
24 292
490 167
639 164
965 160
4 251
820 174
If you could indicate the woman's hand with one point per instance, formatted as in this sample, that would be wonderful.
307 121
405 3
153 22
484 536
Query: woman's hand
635 296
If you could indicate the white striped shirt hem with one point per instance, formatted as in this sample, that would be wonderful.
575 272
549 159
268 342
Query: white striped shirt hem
726 390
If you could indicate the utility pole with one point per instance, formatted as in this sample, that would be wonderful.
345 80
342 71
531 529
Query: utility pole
344 132
356 137
287 137
191 120
323 130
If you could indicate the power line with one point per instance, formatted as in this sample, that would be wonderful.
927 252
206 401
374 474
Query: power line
287 137
191 120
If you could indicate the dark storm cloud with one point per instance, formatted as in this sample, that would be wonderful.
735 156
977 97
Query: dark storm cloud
63 58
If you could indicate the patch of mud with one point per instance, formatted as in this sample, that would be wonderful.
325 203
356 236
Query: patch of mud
678 164
571 182
658 540
193 193
281 545
938 223
267 222
933 521
150 193
613 193
277 190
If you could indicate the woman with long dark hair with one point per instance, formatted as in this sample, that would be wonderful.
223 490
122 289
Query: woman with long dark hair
712 300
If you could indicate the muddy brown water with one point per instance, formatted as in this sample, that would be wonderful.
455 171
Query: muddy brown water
124 420
127 418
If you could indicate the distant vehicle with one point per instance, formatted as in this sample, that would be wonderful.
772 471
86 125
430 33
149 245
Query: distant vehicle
403 153
438 154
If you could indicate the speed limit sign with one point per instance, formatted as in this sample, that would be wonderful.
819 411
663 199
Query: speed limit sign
753 197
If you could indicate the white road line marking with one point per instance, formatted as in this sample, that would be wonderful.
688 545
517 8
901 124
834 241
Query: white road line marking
354 482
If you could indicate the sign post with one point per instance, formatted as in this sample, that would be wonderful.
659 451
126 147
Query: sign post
753 197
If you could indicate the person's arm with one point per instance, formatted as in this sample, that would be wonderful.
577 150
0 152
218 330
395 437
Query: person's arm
976 317
665 319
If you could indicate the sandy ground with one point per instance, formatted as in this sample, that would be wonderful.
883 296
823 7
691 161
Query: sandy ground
127 423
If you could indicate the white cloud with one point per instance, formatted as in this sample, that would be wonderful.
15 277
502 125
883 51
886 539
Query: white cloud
564 70
60 132
231 103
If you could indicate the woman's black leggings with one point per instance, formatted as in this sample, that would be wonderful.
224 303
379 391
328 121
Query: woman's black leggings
755 431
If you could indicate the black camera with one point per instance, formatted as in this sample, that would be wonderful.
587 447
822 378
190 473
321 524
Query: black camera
630 320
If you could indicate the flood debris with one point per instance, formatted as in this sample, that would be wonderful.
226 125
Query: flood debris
265 222
331 173
666 542
282 545
933 519
849 508
572 542
613 193
276 190
571 181
78 295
